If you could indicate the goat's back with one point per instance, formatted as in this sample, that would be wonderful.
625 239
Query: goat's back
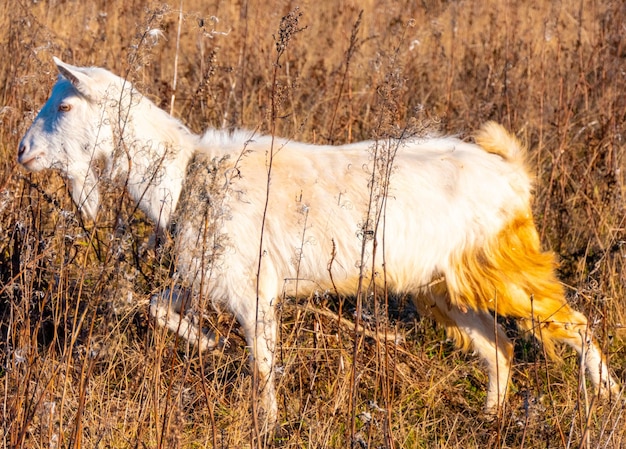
441 197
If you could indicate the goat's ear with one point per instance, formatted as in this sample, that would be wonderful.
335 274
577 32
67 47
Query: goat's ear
77 76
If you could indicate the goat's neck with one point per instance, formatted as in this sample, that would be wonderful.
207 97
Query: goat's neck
152 153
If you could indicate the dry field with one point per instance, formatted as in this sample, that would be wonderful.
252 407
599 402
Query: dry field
81 365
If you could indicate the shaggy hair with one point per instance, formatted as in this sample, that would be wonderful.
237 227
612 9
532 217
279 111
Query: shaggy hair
320 218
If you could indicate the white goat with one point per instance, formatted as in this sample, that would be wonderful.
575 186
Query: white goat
446 209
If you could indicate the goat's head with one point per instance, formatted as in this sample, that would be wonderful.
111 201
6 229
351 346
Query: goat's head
73 130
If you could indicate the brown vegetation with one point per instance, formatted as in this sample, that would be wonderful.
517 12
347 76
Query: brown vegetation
82 366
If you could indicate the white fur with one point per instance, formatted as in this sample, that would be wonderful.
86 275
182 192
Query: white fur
444 197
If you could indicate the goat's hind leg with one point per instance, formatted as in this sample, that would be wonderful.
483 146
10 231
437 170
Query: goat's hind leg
555 321
529 290
480 331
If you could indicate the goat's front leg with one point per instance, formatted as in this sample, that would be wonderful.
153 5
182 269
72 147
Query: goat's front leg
169 309
259 325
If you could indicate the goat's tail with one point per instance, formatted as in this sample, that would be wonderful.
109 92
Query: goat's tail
495 139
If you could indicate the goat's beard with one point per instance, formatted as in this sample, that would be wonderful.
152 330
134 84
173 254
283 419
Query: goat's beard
85 193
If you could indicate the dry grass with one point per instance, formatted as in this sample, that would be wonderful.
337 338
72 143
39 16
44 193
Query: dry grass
81 366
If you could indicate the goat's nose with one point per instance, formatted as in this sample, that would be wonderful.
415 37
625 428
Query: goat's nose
21 150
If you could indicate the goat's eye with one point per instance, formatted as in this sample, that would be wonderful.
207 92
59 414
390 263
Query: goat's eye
64 107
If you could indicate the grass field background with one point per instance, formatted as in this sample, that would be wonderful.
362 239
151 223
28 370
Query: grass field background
83 367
